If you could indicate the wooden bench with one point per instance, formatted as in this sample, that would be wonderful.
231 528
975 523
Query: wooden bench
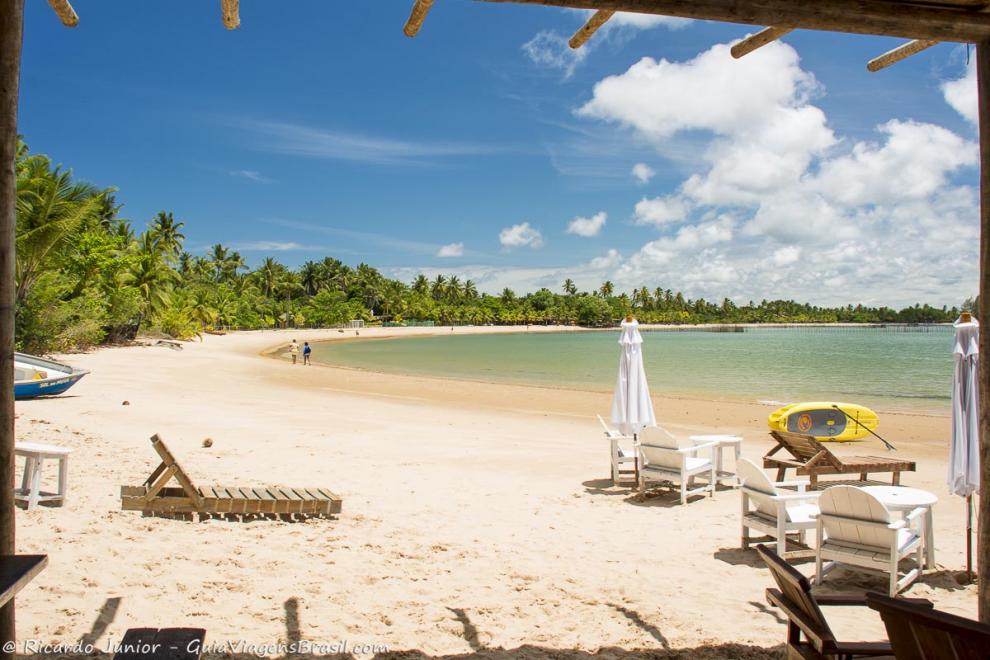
161 644
811 459
34 458
154 497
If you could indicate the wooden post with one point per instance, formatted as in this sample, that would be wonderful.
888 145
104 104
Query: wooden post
983 511
758 40
897 54
598 19
416 17
11 26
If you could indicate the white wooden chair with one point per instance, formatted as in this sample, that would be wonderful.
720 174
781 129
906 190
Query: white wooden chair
855 528
773 511
663 459
623 455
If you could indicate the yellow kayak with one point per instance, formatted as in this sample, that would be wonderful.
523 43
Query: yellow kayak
822 420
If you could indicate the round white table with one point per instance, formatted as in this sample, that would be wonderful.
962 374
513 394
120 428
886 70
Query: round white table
905 500
722 442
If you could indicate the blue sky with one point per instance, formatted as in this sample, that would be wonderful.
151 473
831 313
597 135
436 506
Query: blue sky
484 147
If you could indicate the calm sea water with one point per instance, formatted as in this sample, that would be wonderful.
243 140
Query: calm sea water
882 368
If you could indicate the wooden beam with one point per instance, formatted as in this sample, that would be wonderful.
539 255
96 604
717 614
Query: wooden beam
964 24
597 20
983 512
758 40
895 55
231 13
65 12
11 32
417 16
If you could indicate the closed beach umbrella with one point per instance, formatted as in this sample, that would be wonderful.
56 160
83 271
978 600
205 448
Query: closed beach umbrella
964 448
632 409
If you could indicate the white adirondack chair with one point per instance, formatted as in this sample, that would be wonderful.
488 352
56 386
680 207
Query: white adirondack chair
663 459
774 511
623 455
855 528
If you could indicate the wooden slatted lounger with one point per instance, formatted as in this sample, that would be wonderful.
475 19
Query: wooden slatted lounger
155 497
812 458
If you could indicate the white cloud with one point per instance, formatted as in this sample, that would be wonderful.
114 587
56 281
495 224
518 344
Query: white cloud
451 250
251 175
270 246
610 259
550 50
661 211
588 227
642 172
521 235
961 94
779 206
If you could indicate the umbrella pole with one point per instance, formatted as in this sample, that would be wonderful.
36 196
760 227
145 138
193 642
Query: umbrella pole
969 538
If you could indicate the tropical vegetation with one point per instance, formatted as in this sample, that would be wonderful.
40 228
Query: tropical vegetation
86 276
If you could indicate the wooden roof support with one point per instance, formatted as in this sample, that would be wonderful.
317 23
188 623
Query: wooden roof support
588 29
65 12
983 315
417 16
231 13
879 17
758 40
895 55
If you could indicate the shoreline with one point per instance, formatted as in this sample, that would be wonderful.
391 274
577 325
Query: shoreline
396 333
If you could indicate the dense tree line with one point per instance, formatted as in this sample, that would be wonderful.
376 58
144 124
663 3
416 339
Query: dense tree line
84 276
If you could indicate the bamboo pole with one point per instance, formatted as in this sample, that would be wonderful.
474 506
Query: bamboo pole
585 32
758 40
963 24
983 510
11 32
417 16
65 12
895 55
231 11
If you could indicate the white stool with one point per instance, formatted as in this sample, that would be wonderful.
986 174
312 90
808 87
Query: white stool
722 442
34 457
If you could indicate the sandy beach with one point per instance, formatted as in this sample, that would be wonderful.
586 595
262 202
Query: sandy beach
477 517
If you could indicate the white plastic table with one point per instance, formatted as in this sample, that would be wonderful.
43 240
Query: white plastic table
34 457
905 500
722 442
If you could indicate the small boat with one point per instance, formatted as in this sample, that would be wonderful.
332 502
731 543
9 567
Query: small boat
825 420
35 376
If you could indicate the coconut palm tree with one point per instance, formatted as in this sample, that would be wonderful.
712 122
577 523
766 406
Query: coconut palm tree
311 277
569 287
421 284
439 287
606 289
470 290
168 233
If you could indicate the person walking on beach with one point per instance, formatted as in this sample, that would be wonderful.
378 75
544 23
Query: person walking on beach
307 349
294 350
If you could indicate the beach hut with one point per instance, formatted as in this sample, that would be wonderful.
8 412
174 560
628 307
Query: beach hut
922 23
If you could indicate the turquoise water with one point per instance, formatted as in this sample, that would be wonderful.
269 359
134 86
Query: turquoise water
889 369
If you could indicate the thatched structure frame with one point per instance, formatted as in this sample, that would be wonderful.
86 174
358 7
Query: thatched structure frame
923 22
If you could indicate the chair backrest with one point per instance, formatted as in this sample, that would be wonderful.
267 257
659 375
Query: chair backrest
169 460
797 590
921 633
758 486
660 437
855 504
802 447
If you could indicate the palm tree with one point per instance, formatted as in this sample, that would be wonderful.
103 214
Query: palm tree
168 233
269 274
569 287
439 287
421 284
606 289
470 290
508 296
50 207
454 290
310 276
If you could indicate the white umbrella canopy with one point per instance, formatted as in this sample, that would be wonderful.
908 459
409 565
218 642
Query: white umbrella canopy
632 408
964 449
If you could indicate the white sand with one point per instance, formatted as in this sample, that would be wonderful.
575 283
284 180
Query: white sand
475 516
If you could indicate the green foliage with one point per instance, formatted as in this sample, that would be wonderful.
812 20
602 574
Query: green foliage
85 276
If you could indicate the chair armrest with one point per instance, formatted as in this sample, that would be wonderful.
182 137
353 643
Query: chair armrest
676 450
800 484
797 497
916 513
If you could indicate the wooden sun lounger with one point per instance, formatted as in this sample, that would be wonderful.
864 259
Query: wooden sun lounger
812 458
156 498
